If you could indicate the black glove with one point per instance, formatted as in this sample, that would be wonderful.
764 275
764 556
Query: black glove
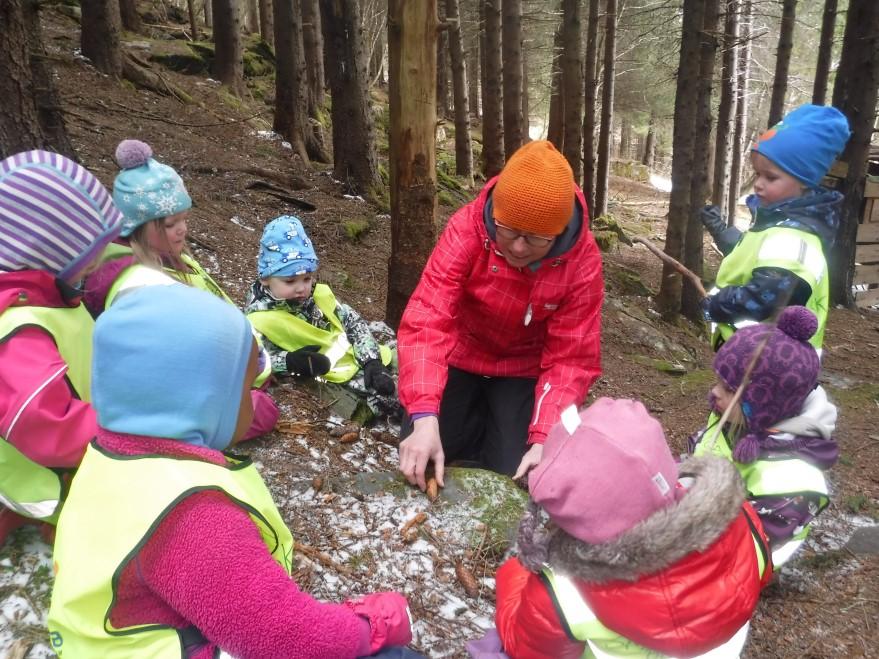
711 220
377 378
307 361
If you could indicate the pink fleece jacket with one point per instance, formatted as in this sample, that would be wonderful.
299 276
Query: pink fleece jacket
229 587
40 413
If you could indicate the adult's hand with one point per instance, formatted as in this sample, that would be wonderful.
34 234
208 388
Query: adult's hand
530 460
419 448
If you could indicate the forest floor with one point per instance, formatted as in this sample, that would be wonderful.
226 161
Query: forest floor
822 604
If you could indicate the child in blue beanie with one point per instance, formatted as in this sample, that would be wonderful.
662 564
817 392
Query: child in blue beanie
306 331
781 260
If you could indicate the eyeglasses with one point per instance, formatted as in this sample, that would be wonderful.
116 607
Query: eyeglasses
511 234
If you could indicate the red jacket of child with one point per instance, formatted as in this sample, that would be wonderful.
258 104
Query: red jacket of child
474 311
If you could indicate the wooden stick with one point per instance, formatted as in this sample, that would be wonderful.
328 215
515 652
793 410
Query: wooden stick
674 263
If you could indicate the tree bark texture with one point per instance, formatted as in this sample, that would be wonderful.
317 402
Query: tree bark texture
511 48
228 66
99 39
526 124
605 132
31 118
193 19
208 6
700 188
589 102
555 129
782 61
741 122
291 105
313 42
443 97
825 52
726 111
354 158
131 20
252 21
267 22
854 93
492 90
463 145
412 34
472 56
650 143
686 101
572 62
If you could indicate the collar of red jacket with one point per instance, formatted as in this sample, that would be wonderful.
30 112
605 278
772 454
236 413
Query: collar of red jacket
33 288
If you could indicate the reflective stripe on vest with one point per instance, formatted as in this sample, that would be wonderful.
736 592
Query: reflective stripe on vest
133 277
796 251
114 506
26 487
603 643
290 333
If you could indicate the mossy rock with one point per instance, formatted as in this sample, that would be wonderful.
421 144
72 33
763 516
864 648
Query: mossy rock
190 63
607 224
661 365
256 66
606 240
625 281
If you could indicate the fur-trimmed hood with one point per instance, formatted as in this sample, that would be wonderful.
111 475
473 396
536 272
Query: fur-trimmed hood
714 497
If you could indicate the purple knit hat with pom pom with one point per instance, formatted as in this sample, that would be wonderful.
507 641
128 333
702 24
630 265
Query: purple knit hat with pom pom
785 374
146 189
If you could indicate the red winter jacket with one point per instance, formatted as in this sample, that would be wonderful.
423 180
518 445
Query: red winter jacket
471 311
683 609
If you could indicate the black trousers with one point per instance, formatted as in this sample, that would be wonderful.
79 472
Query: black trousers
484 420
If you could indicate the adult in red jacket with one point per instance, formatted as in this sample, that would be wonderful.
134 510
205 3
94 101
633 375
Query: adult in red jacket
642 555
504 328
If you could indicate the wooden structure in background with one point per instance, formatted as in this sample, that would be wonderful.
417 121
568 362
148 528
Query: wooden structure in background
866 278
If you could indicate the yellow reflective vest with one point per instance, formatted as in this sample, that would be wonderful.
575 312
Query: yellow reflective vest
114 505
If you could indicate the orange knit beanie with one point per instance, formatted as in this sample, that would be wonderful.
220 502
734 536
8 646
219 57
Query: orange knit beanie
535 191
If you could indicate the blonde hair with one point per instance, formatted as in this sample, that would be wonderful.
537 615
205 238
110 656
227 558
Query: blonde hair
147 255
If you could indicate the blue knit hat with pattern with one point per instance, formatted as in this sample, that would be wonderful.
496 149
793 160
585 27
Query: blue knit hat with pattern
806 142
285 250
146 189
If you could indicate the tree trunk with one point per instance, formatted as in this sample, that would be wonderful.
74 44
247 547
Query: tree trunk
625 139
825 52
589 102
700 188
463 146
526 116
208 13
443 97
492 89
354 159
605 132
313 42
252 21
193 19
726 112
32 118
741 122
472 57
130 18
291 105
572 37
228 67
650 143
377 59
555 129
686 103
99 39
412 34
267 22
782 61
511 48
854 93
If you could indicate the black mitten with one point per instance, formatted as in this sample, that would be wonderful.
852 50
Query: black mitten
711 220
377 378
307 361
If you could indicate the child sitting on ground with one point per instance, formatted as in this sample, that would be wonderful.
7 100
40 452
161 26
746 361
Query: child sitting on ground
779 433
56 220
305 330
624 553
152 250
167 546
782 259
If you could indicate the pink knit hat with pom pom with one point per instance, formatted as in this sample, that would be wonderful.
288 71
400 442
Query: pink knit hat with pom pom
785 373
146 189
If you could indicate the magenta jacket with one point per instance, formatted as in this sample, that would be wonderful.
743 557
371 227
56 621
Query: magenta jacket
207 566
50 424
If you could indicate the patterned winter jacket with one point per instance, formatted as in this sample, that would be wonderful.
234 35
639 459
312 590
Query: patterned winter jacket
474 311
